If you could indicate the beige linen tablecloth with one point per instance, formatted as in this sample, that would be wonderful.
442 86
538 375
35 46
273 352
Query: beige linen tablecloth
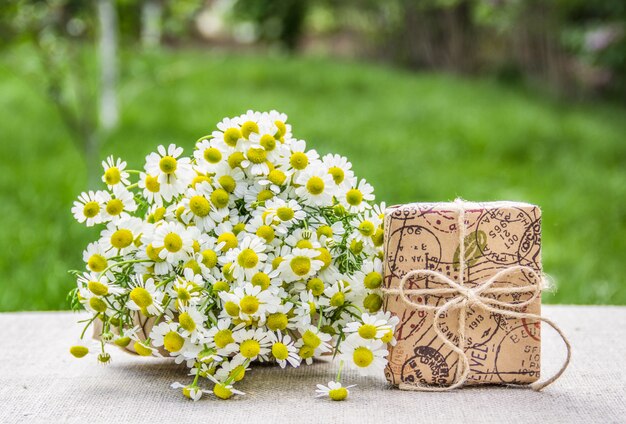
41 382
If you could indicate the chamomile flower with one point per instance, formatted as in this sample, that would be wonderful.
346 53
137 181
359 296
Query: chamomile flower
197 207
316 186
190 391
151 188
366 355
358 197
284 350
174 173
187 290
247 258
96 257
335 295
281 214
300 264
229 131
233 180
299 157
316 340
222 390
98 285
371 327
114 172
144 296
210 154
340 170
119 204
235 370
166 335
252 344
121 235
174 241
333 390
88 208
250 302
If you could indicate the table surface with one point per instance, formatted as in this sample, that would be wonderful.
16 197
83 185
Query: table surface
41 382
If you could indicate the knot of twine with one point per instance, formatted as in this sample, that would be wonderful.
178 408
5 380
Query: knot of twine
484 296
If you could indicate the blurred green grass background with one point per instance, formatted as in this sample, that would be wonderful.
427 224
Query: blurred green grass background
415 137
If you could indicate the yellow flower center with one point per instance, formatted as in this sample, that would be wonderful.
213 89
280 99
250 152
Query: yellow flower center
325 257
142 349
141 297
366 228
256 155
228 183
276 176
219 286
173 342
152 184
362 357
112 176
260 279
122 341
372 302
79 351
249 127
299 160
200 178
338 394
219 198
97 304
356 246
121 238
387 337
324 230
209 258
91 209
237 373
250 348
285 213
309 338
264 195
249 304
168 165
173 242
199 205
268 142
186 322
337 174
222 392
316 286
315 185
235 159
378 237
354 197
114 207
300 265
304 244
367 331
223 338
212 155
153 253
239 227
373 280
276 261
266 233
282 128
232 136
338 299
97 263
231 308
229 240
182 294
97 288
280 351
277 321
306 352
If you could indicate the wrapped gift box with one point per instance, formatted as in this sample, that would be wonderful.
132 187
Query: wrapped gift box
500 349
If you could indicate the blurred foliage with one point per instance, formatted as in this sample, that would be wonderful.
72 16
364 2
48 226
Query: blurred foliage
414 136
280 21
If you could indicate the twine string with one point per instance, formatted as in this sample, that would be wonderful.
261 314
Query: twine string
485 296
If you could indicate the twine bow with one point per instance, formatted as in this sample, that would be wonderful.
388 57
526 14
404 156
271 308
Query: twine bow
484 296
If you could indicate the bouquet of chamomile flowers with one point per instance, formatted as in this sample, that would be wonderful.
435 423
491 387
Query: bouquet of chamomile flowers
251 249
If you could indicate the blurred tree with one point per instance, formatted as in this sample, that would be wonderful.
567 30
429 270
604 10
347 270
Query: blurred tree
151 22
59 30
279 21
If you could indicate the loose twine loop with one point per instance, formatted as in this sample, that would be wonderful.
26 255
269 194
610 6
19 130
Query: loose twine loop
480 296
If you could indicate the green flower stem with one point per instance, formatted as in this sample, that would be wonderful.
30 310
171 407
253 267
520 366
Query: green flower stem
132 261
339 372
88 324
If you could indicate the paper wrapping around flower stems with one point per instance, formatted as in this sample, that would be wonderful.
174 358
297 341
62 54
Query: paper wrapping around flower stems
500 349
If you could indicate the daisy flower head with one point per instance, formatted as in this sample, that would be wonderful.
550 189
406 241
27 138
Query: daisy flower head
210 153
114 172
358 197
117 204
300 264
223 390
280 121
96 257
252 344
166 335
174 242
174 173
122 235
247 257
88 208
151 188
316 186
370 327
367 356
197 207
340 170
334 390
284 350
191 391
314 343
299 157
250 302
144 296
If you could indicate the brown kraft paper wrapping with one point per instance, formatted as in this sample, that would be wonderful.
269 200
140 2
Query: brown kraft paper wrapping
500 349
